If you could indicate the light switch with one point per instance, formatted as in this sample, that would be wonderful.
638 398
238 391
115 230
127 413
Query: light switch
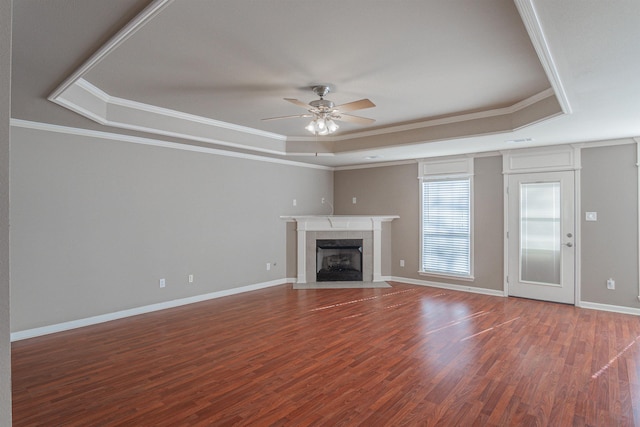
591 216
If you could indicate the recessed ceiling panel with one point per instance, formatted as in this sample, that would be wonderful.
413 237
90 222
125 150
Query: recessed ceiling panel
235 60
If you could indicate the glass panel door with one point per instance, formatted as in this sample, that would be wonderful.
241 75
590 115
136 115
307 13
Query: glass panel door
540 232
541 236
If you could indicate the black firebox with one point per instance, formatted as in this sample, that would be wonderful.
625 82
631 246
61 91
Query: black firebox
338 260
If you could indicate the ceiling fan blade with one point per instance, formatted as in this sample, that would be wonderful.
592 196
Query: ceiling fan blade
355 119
355 105
298 103
286 117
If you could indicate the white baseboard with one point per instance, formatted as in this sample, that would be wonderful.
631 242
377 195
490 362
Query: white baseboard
65 326
463 288
607 307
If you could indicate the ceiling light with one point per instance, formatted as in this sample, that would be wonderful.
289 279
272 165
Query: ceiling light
322 124
332 126
311 127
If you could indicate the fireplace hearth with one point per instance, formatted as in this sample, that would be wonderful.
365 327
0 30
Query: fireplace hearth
338 260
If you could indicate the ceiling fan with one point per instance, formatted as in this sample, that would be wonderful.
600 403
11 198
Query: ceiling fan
324 113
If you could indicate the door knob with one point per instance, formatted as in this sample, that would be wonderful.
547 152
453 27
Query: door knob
569 244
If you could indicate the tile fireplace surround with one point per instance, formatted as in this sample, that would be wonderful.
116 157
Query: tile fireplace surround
366 227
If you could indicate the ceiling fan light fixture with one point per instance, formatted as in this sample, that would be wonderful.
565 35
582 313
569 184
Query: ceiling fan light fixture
332 126
322 126
325 113
311 127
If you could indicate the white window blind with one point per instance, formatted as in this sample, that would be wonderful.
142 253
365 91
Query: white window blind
446 226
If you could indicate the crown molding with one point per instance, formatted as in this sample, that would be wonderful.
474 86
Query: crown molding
450 119
152 10
26 124
79 95
90 101
376 165
532 23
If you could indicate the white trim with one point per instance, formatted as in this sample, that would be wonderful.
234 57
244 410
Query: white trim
531 21
456 167
541 159
577 238
161 111
153 109
637 140
376 165
79 323
377 251
606 143
412 161
533 162
445 120
156 142
497 293
121 36
77 106
611 308
449 286
81 95
337 223
505 231
459 167
447 276
95 91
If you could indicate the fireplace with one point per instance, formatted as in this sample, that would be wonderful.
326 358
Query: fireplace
367 229
338 260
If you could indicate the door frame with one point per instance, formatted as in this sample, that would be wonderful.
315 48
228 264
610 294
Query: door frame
545 159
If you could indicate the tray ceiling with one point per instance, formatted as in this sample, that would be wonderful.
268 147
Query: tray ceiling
210 71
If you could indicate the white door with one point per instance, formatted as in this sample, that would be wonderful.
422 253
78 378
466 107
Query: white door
541 236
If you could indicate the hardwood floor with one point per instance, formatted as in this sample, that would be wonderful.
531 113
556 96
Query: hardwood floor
400 356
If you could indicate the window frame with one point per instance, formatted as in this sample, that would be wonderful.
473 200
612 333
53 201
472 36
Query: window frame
447 170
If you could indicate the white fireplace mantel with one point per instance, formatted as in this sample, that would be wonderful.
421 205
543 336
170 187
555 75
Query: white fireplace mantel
338 223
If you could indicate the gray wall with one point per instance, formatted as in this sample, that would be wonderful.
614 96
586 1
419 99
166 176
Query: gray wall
5 114
610 245
388 190
97 223
395 190
609 186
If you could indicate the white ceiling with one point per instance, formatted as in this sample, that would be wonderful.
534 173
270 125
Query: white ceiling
447 77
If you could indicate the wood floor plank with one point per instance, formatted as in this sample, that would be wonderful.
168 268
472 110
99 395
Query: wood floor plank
403 356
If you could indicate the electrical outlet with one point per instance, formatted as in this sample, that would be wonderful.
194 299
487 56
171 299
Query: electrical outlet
191 278
401 263
268 266
163 283
322 201
611 284
354 200
295 202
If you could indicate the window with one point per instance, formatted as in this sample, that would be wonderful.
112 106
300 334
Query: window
446 225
